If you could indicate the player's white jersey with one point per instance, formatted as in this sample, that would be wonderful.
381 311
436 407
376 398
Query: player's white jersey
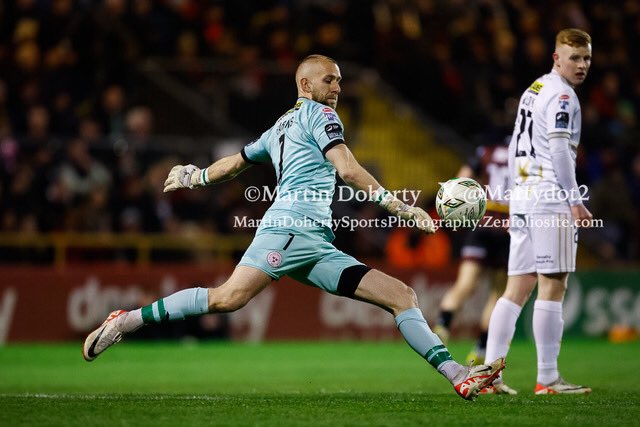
549 108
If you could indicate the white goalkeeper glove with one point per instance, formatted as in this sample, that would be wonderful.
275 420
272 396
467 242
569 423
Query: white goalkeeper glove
397 207
188 176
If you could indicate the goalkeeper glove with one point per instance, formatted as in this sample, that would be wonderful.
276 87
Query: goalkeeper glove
395 206
188 176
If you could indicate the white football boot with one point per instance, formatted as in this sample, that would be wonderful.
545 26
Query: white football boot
477 378
103 337
560 386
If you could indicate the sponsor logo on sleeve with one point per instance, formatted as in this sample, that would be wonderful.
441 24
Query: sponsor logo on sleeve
329 113
535 87
295 107
333 130
562 120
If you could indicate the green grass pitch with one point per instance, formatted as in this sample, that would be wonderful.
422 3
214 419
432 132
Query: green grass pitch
298 384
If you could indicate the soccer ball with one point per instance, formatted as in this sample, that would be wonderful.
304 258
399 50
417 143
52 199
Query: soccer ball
461 199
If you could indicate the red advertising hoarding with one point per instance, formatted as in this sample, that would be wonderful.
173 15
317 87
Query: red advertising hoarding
48 304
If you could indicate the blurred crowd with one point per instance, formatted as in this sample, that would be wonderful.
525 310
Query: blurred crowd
77 133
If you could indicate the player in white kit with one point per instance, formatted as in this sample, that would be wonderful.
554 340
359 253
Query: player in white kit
545 206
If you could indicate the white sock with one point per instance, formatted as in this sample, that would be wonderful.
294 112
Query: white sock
502 326
453 371
131 321
547 331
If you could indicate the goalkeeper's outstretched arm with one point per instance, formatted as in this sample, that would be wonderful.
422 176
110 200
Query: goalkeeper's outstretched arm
190 176
359 178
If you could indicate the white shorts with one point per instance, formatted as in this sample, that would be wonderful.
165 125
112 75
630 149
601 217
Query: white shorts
542 243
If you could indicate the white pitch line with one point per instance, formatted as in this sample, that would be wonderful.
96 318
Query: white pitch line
109 396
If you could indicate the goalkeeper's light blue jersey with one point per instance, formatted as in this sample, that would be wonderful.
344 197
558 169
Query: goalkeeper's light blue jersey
296 146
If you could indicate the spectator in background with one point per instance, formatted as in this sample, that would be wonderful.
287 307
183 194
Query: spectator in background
218 35
139 125
38 136
19 61
139 137
81 190
93 213
63 117
188 57
158 211
80 172
134 150
37 150
20 201
155 26
115 46
113 110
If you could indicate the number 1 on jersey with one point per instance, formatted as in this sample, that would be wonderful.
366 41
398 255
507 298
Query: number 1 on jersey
281 141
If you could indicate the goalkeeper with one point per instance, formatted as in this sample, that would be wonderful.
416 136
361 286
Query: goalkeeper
306 146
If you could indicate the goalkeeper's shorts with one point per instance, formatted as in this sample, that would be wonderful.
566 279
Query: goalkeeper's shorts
304 253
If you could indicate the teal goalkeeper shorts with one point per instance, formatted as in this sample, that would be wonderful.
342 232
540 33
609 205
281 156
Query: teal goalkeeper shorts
294 245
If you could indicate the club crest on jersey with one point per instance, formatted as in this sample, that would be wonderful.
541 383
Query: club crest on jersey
274 258
329 113
535 87
562 120
563 100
